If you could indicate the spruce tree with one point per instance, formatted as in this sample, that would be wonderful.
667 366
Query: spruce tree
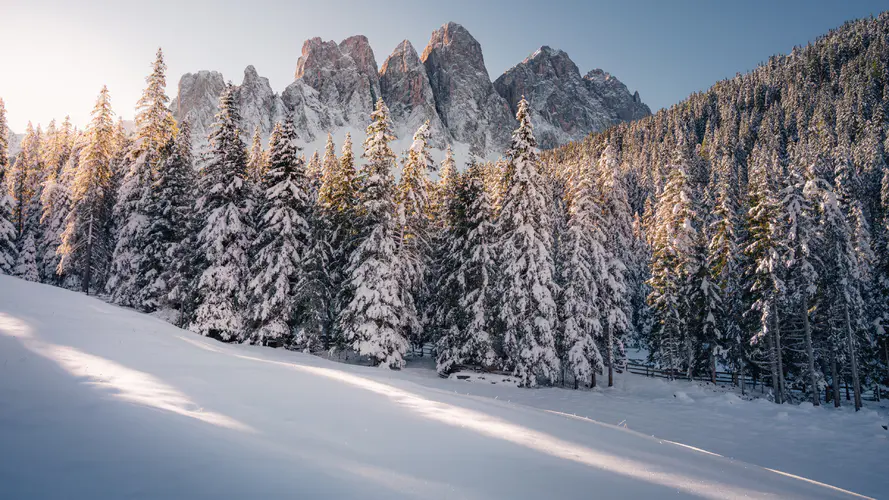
525 283
333 230
413 200
466 289
155 128
85 241
373 320
167 212
617 220
585 274
224 231
282 239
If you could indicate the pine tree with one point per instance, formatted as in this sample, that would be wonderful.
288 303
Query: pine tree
373 320
170 202
225 234
155 128
798 241
618 225
55 199
85 240
7 228
26 263
764 252
415 242
180 276
585 274
673 242
466 288
256 164
282 240
525 284
332 243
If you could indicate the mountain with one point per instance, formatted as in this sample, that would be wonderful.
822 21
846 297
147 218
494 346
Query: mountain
566 107
15 143
337 84
467 103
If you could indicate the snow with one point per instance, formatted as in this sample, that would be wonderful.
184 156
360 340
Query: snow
103 402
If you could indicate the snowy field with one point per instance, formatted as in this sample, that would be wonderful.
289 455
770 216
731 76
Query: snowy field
102 402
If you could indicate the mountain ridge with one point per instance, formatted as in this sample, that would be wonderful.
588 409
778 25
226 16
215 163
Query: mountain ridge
336 84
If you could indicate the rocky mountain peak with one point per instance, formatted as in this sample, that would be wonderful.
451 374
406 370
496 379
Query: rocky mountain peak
566 106
465 98
345 76
405 88
197 100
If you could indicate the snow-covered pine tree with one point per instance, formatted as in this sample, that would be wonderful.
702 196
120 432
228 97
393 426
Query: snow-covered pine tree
23 180
224 232
85 239
525 283
7 228
331 245
180 276
725 265
798 240
674 238
55 200
373 320
467 290
282 240
256 162
26 262
764 251
155 127
167 211
415 241
313 172
617 220
585 275
4 141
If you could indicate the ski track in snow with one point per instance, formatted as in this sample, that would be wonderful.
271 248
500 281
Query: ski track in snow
288 424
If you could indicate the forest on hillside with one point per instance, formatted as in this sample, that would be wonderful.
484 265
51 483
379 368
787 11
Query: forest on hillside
762 213
746 227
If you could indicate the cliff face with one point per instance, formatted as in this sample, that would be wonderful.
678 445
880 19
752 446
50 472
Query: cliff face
565 106
448 85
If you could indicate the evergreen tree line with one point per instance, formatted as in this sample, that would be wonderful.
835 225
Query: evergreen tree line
503 266
761 213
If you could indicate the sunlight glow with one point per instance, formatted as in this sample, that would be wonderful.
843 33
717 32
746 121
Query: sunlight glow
130 385
523 436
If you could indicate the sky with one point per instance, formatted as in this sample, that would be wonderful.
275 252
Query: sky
57 54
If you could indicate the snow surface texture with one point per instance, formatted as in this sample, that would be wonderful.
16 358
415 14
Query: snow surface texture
102 402
336 86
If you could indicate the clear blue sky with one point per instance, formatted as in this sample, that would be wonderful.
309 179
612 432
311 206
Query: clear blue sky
56 54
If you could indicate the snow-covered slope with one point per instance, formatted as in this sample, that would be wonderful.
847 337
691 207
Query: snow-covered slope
336 85
102 402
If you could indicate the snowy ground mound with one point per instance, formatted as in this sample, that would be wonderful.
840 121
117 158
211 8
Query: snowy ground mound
102 402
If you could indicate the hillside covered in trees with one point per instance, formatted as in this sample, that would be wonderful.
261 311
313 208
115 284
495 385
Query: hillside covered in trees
762 218
745 227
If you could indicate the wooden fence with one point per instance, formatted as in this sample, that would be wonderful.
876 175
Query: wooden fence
640 367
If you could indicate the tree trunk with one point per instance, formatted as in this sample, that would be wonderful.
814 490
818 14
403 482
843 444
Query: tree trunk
712 366
773 365
88 258
778 352
610 356
856 384
741 377
810 351
593 379
690 353
835 379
